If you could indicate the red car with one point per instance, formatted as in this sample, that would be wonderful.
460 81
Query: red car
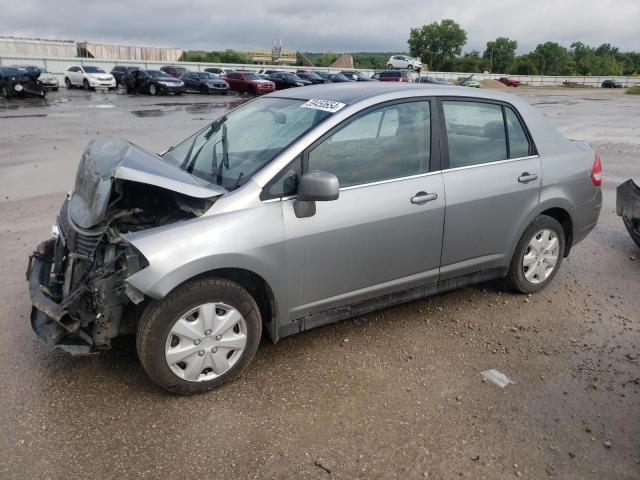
509 82
396 76
249 82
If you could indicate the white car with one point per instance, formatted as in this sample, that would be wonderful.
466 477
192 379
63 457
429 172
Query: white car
89 77
404 61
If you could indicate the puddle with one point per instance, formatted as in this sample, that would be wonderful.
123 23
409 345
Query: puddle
197 108
24 116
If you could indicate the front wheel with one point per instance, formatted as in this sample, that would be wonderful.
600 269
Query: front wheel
86 84
202 335
153 90
538 255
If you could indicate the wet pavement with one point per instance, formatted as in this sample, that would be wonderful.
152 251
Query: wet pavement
392 394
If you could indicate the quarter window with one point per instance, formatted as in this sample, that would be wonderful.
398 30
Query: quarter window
391 142
519 145
475 133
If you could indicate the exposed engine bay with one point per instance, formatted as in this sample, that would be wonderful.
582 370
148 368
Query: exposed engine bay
77 278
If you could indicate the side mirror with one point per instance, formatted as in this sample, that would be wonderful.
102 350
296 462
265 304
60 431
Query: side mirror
318 186
315 186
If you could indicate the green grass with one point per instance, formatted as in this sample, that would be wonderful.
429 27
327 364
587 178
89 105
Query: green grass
633 90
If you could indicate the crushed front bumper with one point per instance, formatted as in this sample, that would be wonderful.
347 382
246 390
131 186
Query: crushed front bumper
49 319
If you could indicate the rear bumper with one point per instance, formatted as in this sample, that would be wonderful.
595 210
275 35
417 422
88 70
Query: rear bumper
51 322
585 217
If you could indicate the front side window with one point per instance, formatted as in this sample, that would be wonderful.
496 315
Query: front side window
387 143
475 133
230 150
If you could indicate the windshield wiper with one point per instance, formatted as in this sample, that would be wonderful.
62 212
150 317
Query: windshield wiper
188 163
225 147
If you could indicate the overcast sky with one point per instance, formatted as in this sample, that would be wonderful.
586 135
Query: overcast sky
321 25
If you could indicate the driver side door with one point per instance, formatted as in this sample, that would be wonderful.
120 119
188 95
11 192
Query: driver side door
384 232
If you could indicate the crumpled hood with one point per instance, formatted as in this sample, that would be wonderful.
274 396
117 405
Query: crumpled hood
106 159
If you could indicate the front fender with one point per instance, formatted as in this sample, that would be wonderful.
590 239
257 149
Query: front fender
250 239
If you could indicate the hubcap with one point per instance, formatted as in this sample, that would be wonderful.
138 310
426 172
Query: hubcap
206 342
541 256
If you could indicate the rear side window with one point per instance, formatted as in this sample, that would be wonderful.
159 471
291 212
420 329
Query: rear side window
519 145
475 133
387 143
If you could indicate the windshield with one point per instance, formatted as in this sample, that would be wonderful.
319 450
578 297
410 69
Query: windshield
159 74
230 150
93 70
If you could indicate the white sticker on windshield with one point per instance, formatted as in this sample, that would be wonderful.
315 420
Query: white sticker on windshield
326 105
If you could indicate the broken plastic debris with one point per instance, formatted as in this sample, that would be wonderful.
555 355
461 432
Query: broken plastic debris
496 377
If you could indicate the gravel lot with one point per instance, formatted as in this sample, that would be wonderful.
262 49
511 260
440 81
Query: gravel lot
393 394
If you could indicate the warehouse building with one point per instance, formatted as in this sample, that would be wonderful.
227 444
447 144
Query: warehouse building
40 48
36 47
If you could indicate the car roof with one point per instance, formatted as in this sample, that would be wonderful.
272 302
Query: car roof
352 92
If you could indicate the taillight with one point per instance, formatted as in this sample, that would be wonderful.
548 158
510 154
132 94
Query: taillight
596 171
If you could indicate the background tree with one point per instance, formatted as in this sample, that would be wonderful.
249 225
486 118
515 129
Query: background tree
470 62
524 65
500 53
551 58
437 44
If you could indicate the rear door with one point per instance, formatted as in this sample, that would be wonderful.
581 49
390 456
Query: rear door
492 176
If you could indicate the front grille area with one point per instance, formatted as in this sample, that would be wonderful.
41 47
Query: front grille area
79 242
83 244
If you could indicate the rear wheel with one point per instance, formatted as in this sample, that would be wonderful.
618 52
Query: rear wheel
4 92
538 255
67 82
409 67
389 66
153 90
202 335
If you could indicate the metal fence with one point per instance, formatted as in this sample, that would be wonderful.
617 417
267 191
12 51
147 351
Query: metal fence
58 65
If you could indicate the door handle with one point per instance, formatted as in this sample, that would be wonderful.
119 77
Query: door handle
423 197
527 177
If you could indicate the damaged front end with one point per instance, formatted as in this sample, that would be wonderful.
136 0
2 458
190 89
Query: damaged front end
77 279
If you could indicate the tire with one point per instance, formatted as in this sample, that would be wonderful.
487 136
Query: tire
253 91
67 83
85 84
155 335
389 67
632 232
55 89
153 90
4 92
409 67
517 277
